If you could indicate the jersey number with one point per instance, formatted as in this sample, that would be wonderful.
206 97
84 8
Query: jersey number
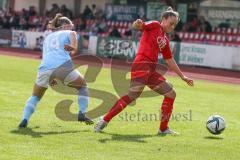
54 43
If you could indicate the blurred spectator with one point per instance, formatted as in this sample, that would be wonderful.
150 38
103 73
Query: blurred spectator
94 29
128 32
87 13
66 12
10 11
97 12
186 27
5 23
14 21
225 24
25 14
80 24
204 25
94 10
175 37
193 25
102 27
2 12
23 23
208 27
1 22
32 11
115 33
54 10
179 26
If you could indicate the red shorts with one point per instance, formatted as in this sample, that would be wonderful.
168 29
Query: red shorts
145 72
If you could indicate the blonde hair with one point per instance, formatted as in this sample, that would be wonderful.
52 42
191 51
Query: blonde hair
169 13
58 21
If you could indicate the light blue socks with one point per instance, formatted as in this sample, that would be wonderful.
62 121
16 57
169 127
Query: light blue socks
83 99
32 102
30 107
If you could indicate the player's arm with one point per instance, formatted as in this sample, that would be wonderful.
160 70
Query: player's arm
73 46
151 25
140 25
174 67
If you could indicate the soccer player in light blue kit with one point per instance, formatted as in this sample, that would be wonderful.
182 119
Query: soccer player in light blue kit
57 48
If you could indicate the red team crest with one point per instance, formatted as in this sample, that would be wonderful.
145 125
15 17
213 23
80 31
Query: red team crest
161 42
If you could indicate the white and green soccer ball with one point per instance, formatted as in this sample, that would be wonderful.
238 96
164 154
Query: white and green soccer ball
215 124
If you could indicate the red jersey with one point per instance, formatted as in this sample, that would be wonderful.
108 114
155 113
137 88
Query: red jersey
149 49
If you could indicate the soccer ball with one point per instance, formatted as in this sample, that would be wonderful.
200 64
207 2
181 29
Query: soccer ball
215 124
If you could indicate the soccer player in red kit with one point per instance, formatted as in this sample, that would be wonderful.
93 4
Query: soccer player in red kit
143 71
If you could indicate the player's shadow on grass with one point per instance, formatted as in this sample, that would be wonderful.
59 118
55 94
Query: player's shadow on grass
214 137
36 134
128 138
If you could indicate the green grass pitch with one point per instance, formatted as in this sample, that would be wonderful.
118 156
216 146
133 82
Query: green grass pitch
132 135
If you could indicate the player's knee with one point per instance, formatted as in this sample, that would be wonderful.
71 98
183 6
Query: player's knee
84 83
172 94
133 96
83 91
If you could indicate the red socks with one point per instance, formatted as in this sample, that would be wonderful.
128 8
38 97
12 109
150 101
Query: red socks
117 108
167 107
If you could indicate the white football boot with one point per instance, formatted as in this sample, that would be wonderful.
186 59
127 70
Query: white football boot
168 131
100 125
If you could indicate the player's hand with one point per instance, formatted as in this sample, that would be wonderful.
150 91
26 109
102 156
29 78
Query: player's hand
138 24
68 48
189 81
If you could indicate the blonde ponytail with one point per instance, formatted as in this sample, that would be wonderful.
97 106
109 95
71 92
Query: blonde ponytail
169 8
169 13
54 21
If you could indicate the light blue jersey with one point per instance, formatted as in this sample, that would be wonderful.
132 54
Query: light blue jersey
54 54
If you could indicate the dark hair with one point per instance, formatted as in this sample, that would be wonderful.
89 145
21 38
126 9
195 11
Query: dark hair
59 21
169 13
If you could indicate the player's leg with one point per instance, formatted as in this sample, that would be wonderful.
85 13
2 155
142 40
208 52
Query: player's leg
31 104
134 92
166 112
77 81
39 89
159 85
139 76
